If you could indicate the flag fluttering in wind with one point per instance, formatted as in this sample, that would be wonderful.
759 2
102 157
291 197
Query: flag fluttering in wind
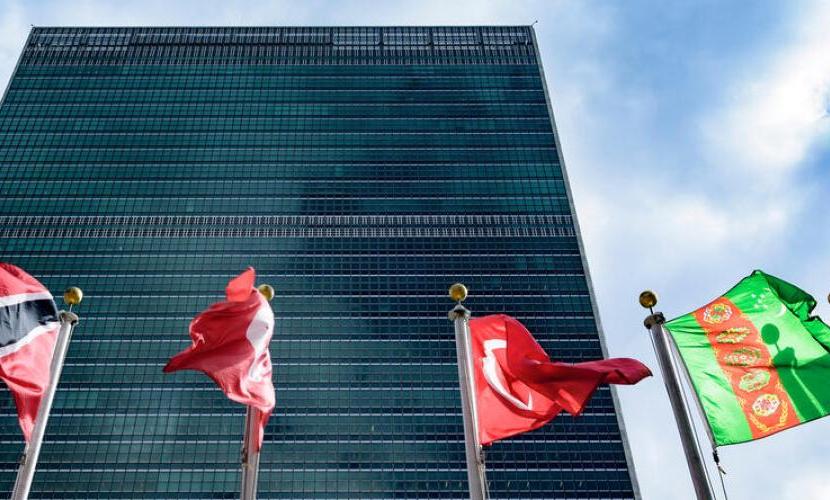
757 360
230 345
518 387
28 331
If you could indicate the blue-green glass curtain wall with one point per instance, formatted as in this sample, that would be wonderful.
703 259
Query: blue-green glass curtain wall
361 171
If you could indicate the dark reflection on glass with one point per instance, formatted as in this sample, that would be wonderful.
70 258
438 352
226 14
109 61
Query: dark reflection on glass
360 171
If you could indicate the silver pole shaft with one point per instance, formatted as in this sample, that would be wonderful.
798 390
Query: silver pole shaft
662 347
686 378
28 464
250 457
476 476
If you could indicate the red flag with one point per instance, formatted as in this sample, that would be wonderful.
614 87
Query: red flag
518 387
230 345
28 331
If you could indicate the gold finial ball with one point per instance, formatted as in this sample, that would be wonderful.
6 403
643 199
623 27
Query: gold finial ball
267 291
648 299
73 296
458 292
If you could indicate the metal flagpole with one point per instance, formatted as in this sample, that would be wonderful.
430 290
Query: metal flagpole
250 455
460 316
662 347
28 462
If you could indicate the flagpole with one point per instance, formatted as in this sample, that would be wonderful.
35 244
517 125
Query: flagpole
476 476
250 455
662 347
28 462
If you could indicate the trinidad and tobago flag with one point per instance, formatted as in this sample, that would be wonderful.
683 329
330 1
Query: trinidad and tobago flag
28 331
230 345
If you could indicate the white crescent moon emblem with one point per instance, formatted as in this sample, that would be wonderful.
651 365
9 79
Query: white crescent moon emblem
492 370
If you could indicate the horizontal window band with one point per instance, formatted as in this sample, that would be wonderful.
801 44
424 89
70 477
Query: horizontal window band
219 296
322 387
380 362
444 188
56 57
299 232
208 252
249 82
390 317
305 275
493 167
266 92
346 440
200 104
441 183
438 196
334 415
73 468
177 338
360 35
294 123
270 220
311 344
212 253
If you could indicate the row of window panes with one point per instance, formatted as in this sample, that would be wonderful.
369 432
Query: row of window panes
278 80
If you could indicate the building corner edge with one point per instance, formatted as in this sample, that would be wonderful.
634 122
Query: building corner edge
17 64
592 295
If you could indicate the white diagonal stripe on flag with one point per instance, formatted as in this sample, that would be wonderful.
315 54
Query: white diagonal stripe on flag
29 338
10 300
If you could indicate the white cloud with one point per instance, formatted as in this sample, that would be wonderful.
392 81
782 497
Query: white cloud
689 219
676 230
734 194
779 109
811 484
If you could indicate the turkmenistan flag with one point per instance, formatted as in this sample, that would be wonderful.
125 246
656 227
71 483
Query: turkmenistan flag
757 359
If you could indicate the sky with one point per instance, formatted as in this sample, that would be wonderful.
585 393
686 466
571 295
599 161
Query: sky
695 136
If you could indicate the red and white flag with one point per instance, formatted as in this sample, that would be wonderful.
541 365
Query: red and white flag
230 345
518 388
28 331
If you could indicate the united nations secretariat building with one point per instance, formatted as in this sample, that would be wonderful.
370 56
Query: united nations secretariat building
361 171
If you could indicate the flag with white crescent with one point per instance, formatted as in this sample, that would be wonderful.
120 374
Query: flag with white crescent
518 388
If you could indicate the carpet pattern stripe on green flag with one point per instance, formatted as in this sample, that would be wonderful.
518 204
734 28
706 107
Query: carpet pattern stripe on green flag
758 361
747 364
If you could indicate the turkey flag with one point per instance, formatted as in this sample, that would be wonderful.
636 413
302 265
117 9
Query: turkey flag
28 332
518 388
230 345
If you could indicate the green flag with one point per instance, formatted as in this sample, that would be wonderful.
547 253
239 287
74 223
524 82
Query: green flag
756 358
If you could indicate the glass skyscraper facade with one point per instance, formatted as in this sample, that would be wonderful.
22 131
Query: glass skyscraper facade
361 171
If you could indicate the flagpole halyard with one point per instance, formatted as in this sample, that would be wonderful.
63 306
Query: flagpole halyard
662 347
459 315
28 462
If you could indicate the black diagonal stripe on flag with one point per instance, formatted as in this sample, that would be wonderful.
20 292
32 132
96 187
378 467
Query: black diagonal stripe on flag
28 332
22 318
